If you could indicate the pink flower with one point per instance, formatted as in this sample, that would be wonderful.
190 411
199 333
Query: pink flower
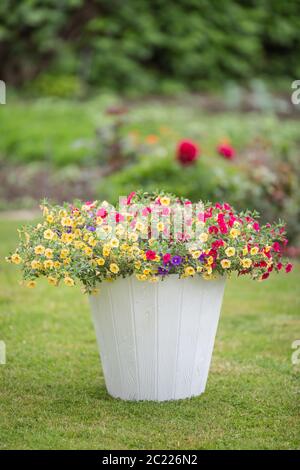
129 198
226 150
276 247
119 217
101 213
256 226
150 255
146 211
166 258
187 152
279 266
288 268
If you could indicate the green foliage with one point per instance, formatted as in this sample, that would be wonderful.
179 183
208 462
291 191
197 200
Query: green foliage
137 45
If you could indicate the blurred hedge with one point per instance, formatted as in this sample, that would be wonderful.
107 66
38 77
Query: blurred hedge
138 45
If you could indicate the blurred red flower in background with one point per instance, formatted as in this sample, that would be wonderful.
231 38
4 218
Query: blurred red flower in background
226 150
187 152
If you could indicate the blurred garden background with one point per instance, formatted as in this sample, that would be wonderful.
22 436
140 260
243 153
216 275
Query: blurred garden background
99 95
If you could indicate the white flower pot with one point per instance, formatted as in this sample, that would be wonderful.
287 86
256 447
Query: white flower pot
156 339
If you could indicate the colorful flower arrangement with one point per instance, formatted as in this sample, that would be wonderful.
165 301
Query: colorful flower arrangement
150 236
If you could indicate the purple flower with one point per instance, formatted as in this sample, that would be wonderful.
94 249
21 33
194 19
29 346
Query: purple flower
202 257
162 271
176 260
69 229
91 228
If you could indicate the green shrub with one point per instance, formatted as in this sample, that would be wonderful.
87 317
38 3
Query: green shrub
138 46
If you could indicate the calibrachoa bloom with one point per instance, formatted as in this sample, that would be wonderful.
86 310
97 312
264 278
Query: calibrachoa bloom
92 242
187 152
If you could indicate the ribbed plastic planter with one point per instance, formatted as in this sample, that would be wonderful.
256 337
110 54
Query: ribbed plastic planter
156 339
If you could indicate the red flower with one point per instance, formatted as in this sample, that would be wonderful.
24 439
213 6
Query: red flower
213 229
279 266
166 258
187 152
226 150
150 255
288 268
119 217
276 247
265 275
256 226
131 195
101 213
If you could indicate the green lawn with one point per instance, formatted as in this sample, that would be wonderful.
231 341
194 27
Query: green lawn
52 392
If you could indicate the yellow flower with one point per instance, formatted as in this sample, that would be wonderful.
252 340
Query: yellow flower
133 237
88 250
16 259
234 233
50 218
77 233
230 251
114 268
67 261
245 251
39 250
69 281
66 222
140 226
153 279
67 237
56 264
35 264
203 237
137 265
62 213
48 264
160 226
196 254
78 244
254 250
151 241
208 269
225 263
114 243
165 201
49 234
99 221
52 281
246 263
124 247
210 260
147 272
49 253
106 250
141 277
100 261
207 276
31 284
92 241
64 253
267 248
189 271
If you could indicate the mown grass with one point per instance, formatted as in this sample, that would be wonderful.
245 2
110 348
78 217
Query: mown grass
53 396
